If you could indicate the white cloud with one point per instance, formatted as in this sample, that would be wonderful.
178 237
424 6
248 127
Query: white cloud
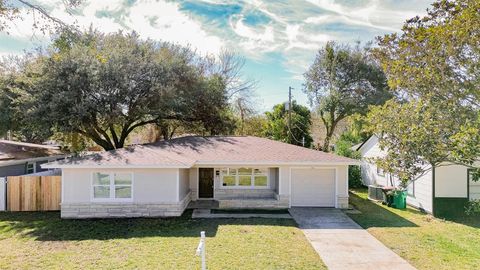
165 21
254 40
159 20
375 14
295 30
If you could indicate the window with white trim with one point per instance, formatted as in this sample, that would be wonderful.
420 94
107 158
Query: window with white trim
112 186
244 177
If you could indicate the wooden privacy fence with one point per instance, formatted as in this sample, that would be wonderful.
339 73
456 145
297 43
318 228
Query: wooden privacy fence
34 193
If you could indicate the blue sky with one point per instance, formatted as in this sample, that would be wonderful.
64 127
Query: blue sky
278 39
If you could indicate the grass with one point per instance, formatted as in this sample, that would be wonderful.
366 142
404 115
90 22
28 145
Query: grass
44 241
424 241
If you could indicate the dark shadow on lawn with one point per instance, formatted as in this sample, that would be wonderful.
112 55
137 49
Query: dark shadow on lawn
48 226
373 215
471 221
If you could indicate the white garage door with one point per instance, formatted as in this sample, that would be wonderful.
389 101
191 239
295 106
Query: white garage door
313 187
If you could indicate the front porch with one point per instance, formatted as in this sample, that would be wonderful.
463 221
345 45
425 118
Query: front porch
236 188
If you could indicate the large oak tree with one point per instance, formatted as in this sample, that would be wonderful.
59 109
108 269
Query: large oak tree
105 86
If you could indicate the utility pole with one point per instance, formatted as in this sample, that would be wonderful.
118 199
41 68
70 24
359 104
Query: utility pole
290 113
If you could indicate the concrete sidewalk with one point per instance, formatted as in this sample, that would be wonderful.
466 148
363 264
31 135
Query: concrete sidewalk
342 243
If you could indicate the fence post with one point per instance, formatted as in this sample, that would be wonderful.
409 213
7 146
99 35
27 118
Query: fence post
3 193
201 250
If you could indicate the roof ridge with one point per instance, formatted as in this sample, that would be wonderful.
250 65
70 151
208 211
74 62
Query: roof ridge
168 157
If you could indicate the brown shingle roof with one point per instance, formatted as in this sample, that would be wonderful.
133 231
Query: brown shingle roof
12 150
196 150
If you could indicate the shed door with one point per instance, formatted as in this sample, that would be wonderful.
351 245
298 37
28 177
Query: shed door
313 187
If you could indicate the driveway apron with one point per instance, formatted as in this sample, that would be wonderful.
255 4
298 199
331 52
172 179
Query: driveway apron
342 243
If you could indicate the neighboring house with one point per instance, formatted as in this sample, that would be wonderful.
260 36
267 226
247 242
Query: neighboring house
160 179
17 158
453 184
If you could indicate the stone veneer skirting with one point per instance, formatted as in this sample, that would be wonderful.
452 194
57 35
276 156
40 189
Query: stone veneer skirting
123 209
342 202
233 193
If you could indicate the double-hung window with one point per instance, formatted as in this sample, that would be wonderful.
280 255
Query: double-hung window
244 177
112 186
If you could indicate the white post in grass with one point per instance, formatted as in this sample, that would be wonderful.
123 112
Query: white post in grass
201 250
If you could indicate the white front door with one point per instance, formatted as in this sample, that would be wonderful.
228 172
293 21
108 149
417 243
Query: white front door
313 187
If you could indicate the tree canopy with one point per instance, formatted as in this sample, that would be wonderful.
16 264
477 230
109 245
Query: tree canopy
299 132
343 81
433 66
104 86
436 55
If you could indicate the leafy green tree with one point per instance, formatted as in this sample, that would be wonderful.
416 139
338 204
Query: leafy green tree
343 147
16 117
254 126
105 86
417 133
433 67
436 55
343 81
299 132
5 107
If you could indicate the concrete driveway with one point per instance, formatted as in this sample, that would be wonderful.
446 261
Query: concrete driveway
342 243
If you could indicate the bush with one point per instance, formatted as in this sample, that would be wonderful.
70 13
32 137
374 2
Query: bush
344 148
354 176
473 207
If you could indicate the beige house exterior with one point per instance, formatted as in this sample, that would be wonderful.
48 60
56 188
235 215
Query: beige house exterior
160 180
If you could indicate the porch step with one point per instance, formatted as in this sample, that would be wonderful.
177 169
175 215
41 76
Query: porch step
203 204
264 203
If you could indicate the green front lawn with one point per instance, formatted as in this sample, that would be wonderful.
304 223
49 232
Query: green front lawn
424 241
44 241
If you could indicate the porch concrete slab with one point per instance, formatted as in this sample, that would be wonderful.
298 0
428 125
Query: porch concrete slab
342 243
203 204
206 213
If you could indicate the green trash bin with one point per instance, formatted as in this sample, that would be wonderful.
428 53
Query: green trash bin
400 199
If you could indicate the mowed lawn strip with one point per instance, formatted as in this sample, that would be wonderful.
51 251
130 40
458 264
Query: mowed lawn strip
424 241
43 240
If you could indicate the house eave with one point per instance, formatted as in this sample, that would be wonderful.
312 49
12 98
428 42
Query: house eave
273 163
201 164
72 166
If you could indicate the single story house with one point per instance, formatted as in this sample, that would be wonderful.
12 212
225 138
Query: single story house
443 191
160 179
18 158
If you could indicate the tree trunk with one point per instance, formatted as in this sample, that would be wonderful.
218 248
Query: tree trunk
329 135
326 144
